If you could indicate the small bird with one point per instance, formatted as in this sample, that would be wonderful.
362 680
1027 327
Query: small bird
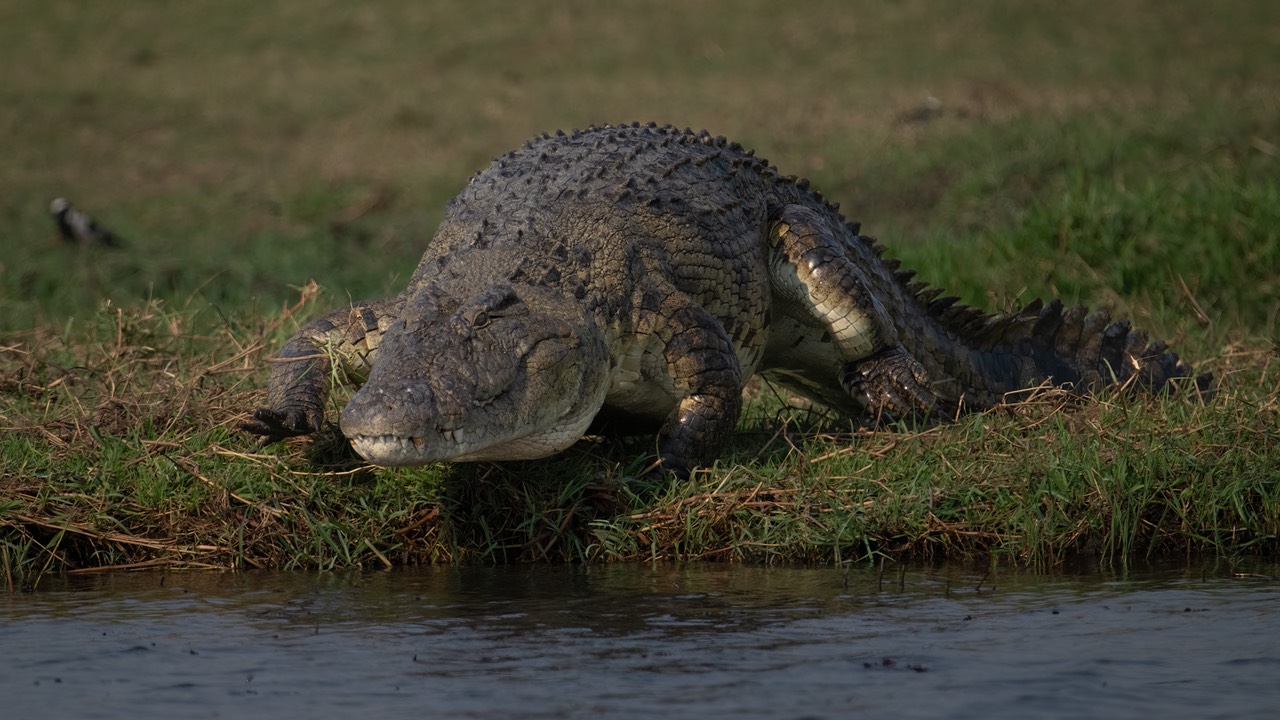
80 228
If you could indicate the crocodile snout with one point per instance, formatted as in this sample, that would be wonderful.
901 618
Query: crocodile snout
398 424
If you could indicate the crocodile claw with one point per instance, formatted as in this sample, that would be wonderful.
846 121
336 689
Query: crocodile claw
892 384
274 425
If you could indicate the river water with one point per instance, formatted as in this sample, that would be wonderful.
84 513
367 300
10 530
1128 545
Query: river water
651 641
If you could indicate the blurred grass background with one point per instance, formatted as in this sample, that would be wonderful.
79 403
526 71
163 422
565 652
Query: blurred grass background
1110 152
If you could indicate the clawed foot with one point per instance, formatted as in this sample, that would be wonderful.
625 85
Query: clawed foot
275 425
892 384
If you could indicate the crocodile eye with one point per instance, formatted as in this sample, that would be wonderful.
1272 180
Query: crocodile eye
480 319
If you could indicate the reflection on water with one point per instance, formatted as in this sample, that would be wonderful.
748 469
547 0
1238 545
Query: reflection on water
706 641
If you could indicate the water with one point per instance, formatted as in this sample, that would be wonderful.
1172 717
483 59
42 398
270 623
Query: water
702 641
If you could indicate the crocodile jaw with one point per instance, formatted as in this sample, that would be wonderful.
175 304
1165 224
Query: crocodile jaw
457 446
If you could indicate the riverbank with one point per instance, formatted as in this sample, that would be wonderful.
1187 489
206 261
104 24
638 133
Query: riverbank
125 454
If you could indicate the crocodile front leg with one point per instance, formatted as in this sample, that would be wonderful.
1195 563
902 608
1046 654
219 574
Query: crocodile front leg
703 370
811 267
302 372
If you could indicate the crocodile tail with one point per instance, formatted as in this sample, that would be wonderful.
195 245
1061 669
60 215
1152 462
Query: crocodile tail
1081 349
985 356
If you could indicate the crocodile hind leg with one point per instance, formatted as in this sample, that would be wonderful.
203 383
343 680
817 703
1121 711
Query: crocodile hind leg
699 360
811 266
892 385
301 373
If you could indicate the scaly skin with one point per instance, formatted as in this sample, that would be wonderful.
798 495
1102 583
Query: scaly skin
645 273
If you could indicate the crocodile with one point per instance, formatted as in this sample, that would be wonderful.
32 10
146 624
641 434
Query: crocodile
643 274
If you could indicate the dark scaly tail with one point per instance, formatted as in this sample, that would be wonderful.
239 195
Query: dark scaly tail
1089 351
977 359
1047 345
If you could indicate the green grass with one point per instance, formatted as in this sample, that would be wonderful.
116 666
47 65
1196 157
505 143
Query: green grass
1124 154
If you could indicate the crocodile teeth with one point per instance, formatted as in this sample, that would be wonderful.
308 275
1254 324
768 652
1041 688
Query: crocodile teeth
417 441
453 435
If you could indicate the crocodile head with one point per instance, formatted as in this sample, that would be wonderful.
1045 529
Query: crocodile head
511 373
